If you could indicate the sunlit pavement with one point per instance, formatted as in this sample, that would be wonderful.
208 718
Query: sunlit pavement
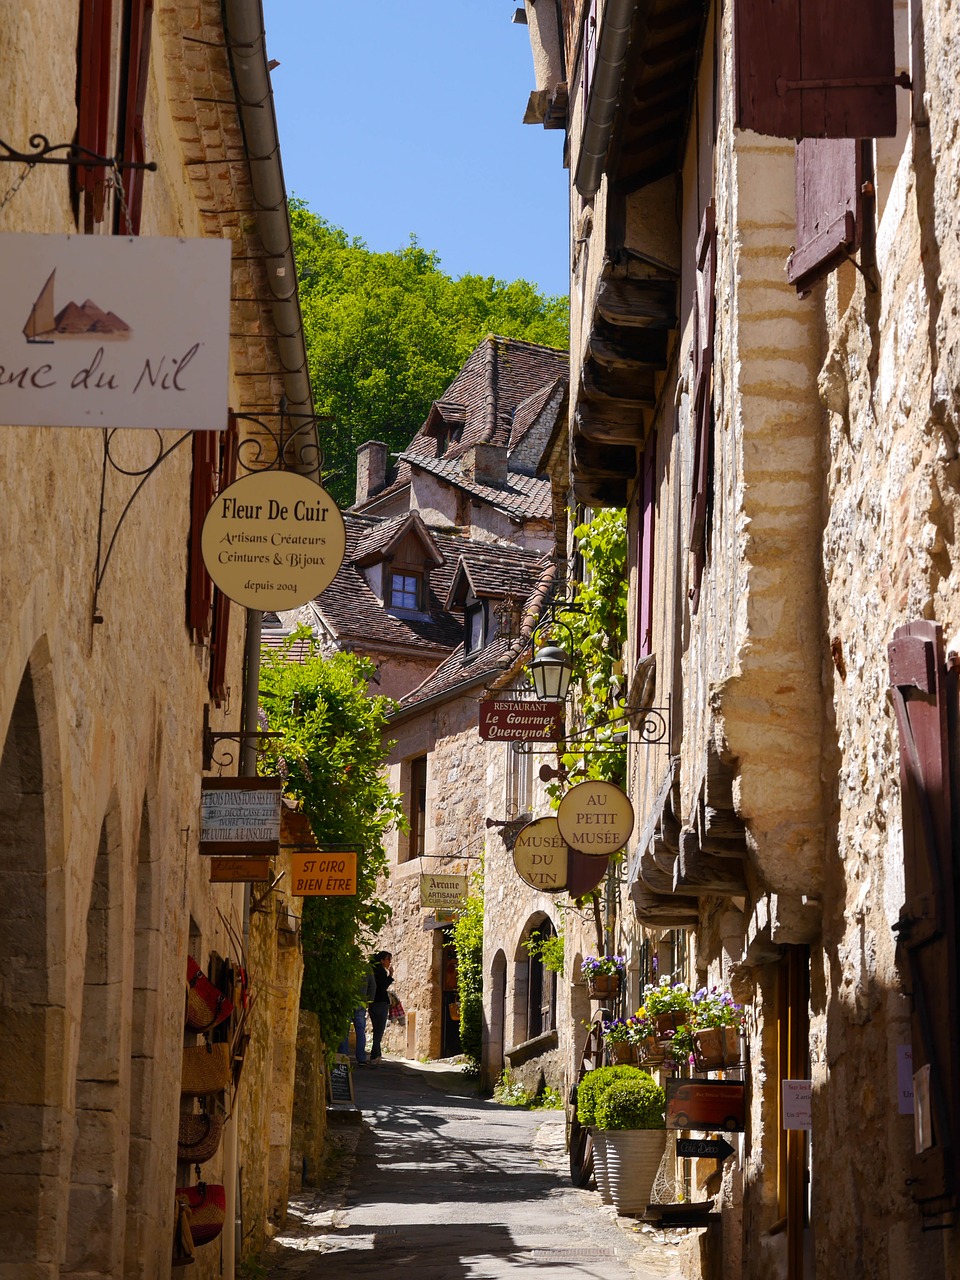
448 1186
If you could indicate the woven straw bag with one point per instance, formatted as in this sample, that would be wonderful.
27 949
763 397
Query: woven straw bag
207 1068
199 1137
207 1005
208 1210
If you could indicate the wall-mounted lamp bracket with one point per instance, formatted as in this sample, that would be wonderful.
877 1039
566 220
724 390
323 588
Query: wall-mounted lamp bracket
210 740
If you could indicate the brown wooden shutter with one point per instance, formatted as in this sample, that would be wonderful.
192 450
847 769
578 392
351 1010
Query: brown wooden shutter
133 93
701 410
830 75
645 545
220 634
924 693
93 101
206 445
829 207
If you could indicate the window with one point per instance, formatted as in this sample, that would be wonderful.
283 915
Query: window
519 782
701 407
541 988
417 807
473 627
405 590
645 544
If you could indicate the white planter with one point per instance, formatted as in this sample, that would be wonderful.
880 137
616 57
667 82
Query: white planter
631 1160
599 1137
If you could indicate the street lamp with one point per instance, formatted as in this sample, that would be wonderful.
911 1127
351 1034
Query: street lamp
550 672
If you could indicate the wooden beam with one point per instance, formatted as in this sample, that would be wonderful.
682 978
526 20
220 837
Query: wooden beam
632 390
628 349
594 425
701 873
654 875
638 304
666 912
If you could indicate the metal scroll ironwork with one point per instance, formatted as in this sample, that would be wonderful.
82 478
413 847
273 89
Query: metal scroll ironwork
42 151
651 727
280 441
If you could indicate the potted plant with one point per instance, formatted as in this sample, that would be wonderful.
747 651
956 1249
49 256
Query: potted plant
668 1005
643 1036
630 1139
589 1091
716 1026
617 1035
603 974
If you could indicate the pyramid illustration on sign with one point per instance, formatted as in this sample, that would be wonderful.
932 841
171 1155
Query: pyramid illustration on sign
72 321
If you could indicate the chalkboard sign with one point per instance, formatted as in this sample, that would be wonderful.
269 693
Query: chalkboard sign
340 1080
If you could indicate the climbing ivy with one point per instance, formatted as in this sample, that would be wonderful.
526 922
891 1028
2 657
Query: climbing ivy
331 756
468 942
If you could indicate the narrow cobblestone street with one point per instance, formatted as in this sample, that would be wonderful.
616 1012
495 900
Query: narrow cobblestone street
444 1185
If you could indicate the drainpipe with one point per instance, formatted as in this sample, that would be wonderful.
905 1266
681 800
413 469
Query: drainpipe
612 40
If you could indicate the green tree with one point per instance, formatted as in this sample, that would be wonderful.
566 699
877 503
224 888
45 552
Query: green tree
387 332
331 758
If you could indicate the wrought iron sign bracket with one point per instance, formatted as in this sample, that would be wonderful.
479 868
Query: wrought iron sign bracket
651 729
42 152
211 738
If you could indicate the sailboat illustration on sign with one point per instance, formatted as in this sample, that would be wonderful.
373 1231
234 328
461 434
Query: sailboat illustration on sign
72 321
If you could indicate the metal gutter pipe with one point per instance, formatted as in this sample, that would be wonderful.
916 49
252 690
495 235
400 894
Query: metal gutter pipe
247 51
612 40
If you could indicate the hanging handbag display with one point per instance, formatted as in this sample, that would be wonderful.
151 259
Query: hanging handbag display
207 1203
207 1068
207 1005
198 1138
182 1236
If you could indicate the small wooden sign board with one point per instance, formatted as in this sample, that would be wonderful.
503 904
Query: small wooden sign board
322 874
340 1080
240 816
238 870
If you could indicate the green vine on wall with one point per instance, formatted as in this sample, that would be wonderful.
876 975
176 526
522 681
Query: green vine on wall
468 942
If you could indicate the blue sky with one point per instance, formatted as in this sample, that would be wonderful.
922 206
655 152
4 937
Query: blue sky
403 116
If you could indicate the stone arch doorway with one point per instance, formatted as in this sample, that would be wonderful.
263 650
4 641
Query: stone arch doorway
31 991
94 1238
498 1016
534 986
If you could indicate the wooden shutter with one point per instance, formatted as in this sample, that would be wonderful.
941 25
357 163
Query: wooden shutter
701 411
831 75
133 93
645 544
93 100
220 633
829 207
924 693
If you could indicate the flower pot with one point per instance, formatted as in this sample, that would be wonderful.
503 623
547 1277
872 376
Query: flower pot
651 1051
631 1160
716 1047
623 1054
601 985
599 1137
670 1021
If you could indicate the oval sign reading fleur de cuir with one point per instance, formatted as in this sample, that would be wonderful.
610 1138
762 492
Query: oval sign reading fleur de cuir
540 855
595 818
273 540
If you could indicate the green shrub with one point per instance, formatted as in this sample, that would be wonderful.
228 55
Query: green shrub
631 1104
595 1083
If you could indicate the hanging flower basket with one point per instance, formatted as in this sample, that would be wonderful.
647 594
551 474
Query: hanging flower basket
623 1054
716 1047
670 1021
651 1051
601 985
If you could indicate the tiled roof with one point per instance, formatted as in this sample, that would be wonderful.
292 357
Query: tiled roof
495 570
499 375
392 531
529 410
522 495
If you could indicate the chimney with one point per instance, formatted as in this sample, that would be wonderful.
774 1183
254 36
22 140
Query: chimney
371 469
486 463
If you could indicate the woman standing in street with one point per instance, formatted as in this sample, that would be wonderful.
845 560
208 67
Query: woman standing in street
380 1004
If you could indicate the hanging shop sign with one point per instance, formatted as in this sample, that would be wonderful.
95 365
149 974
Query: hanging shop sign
239 870
706 1104
322 874
584 872
240 816
114 331
449 892
540 855
505 720
273 540
596 818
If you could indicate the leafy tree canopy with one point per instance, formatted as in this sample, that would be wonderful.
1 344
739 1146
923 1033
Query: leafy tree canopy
387 332
331 757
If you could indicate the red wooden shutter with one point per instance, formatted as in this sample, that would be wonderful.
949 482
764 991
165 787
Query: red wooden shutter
133 94
829 75
701 410
645 538
221 603
829 207
206 445
93 99
924 693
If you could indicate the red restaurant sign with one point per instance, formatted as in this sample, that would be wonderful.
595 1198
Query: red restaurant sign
508 720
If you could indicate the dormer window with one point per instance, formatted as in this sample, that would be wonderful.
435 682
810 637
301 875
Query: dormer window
406 590
479 624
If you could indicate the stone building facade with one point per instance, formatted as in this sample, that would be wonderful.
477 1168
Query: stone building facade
106 682
763 351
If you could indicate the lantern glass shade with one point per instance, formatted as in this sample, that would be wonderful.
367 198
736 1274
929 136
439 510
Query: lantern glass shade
550 672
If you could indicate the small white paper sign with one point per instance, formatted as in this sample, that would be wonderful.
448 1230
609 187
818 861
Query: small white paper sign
797 1097
905 1079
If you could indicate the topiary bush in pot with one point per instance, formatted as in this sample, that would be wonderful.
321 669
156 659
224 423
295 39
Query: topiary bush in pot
630 1126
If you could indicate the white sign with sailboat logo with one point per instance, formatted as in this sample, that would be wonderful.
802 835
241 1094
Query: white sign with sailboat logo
114 331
